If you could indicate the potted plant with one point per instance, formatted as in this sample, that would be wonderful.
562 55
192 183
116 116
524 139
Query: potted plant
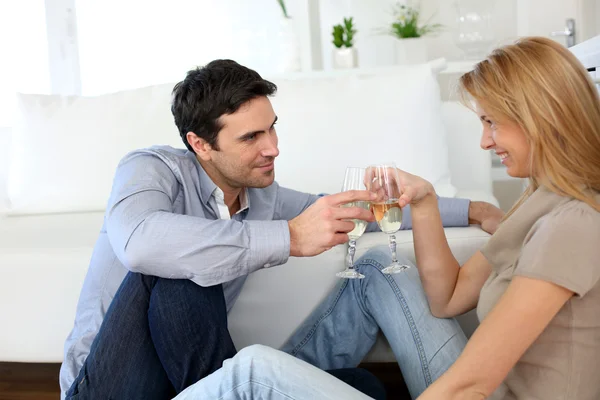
344 53
289 43
409 32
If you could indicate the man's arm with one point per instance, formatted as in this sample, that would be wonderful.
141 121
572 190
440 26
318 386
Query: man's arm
456 212
149 238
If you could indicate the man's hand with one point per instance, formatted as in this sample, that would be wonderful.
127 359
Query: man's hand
485 214
325 224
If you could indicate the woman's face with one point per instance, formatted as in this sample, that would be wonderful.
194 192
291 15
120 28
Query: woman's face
508 140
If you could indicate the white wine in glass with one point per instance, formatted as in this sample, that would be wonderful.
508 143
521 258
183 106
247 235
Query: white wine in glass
383 180
354 180
388 215
359 224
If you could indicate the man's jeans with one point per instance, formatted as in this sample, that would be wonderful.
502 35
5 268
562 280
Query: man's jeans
160 336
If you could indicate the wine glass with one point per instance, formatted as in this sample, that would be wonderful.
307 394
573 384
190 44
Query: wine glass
384 181
354 180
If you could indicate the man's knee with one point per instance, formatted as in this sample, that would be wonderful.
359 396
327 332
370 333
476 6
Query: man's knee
182 298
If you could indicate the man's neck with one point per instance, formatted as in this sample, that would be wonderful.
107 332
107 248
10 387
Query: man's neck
231 195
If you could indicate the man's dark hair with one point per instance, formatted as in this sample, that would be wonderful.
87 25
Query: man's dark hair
209 92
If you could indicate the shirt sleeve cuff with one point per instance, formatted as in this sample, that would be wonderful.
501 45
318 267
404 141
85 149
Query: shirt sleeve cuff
269 243
454 213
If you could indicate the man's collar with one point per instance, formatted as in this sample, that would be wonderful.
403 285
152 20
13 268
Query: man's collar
208 187
243 197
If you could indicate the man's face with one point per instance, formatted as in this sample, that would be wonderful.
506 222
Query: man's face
247 146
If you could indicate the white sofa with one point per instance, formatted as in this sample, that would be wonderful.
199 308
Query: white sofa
63 152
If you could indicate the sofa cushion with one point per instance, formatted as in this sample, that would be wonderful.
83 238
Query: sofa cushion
43 261
66 149
251 319
329 122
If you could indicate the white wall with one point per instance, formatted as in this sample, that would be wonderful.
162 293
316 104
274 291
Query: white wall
504 24
132 43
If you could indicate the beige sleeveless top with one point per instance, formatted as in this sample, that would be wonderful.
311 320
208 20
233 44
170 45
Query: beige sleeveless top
554 239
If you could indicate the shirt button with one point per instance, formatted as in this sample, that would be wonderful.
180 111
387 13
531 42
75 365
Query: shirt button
267 265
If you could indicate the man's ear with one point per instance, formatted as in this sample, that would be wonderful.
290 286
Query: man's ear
200 146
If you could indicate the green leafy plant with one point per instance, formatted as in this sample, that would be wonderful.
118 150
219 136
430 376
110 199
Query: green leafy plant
343 35
406 23
283 8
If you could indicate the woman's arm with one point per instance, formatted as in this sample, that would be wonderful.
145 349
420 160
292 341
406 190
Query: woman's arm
451 290
521 315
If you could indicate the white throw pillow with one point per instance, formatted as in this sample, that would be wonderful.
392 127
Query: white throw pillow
328 122
65 149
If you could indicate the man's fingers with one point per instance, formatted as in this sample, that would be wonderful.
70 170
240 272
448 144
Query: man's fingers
352 213
340 238
343 226
350 196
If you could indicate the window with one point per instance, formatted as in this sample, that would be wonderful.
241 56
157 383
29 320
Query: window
24 48
125 44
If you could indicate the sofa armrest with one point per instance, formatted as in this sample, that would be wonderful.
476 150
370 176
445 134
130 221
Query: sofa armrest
5 140
478 195
470 166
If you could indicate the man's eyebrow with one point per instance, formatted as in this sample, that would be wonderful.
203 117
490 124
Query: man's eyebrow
250 134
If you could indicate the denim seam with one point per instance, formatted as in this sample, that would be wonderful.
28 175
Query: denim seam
408 315
441 347
250 381
325 314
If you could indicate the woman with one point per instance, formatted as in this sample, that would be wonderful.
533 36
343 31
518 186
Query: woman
536 282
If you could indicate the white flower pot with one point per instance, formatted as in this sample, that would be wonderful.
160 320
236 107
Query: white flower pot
344 58
288 56
411 51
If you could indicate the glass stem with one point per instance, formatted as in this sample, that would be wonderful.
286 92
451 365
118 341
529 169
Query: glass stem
351 251
393 249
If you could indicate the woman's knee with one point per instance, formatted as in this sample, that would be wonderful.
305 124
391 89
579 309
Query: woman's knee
260 354
381 256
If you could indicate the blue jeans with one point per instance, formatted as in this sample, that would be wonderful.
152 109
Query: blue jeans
342 330
260 372
338 334
160 336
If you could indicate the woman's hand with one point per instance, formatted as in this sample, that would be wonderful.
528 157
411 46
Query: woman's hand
412 188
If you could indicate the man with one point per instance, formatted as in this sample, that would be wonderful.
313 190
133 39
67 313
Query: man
189 226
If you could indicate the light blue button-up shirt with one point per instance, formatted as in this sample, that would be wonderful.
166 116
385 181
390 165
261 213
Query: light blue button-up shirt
162 219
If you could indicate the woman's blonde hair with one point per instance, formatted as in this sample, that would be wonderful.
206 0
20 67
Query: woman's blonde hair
542 87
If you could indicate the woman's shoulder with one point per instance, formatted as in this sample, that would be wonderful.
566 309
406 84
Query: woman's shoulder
563 247
573 217
577 210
